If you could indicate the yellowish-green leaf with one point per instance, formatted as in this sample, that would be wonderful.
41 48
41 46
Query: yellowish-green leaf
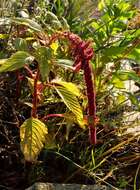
101 5
117 82
68 92
16 61
69 86
121 98
33 135
3 36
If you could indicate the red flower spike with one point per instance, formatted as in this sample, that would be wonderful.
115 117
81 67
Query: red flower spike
83 53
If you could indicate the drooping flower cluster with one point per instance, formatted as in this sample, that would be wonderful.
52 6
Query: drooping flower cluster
83 53
81 49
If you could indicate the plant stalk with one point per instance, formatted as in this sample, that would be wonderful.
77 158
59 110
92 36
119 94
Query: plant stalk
34 102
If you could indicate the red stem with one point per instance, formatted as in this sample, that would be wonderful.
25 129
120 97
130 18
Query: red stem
91 101
34 108
17 84
29 71
52 115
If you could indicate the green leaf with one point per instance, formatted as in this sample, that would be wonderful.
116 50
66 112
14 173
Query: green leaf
16 61
43 56
33 135
22 21
52 19
69 86
128 75
134 100
135 54
113 51
123 6
65 62
51 16
65 24
68 92
28 22
122 75
21 44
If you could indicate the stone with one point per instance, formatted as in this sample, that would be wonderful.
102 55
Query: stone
52 186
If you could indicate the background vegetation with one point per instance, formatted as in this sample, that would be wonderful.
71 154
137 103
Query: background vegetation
43 102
